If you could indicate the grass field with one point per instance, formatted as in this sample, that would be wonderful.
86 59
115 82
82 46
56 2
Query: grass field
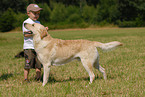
125 67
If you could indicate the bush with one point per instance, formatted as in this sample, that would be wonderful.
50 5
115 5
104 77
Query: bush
72 10
45 14
107 10
7 20
19 17
74 18
65 17
139 22
127 24
58 13
89 14
73 15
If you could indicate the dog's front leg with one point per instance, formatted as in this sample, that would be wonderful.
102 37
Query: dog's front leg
46 74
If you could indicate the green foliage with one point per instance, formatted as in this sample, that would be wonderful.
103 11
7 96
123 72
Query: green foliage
74 18
72 13
127 24
7 20
131 9
65 17
107 10
45 13
136 23
16 5
89 14
58 13
19 17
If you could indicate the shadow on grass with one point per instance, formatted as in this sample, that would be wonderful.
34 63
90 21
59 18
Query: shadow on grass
5 76
53 80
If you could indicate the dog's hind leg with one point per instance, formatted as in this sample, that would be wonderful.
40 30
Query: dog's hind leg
46 74
89 68
101 69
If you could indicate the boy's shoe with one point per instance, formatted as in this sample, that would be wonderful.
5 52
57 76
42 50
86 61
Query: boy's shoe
26 81
38 79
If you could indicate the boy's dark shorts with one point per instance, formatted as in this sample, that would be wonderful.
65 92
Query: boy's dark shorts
31 60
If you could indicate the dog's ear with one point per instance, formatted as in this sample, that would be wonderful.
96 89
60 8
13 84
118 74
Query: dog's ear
43 34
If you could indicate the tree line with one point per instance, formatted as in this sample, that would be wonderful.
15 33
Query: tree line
74 13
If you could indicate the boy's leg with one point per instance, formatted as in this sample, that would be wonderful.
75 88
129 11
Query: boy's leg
38 74
26 73
38 67
29 61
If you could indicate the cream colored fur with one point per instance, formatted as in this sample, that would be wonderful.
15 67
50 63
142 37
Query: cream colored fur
56 51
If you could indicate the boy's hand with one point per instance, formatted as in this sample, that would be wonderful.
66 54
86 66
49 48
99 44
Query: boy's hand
47 28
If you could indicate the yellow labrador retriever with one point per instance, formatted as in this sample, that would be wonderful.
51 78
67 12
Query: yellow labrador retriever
56 51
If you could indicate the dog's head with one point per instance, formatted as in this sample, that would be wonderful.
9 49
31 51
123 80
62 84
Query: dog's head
37 29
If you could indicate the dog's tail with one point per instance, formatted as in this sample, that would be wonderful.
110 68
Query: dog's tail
108 46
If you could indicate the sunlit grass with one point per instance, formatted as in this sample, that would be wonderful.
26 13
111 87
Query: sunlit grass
124 67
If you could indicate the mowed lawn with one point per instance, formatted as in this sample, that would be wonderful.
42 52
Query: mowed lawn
125 67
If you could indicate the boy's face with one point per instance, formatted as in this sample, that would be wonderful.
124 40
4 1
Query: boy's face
33 15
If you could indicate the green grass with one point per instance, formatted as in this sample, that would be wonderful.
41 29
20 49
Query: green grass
124 67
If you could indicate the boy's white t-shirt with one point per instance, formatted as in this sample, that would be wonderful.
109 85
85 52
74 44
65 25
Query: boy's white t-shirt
28 41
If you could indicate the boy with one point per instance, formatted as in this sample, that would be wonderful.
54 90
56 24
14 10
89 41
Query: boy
31 60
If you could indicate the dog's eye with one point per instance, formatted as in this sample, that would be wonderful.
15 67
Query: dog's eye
32 24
